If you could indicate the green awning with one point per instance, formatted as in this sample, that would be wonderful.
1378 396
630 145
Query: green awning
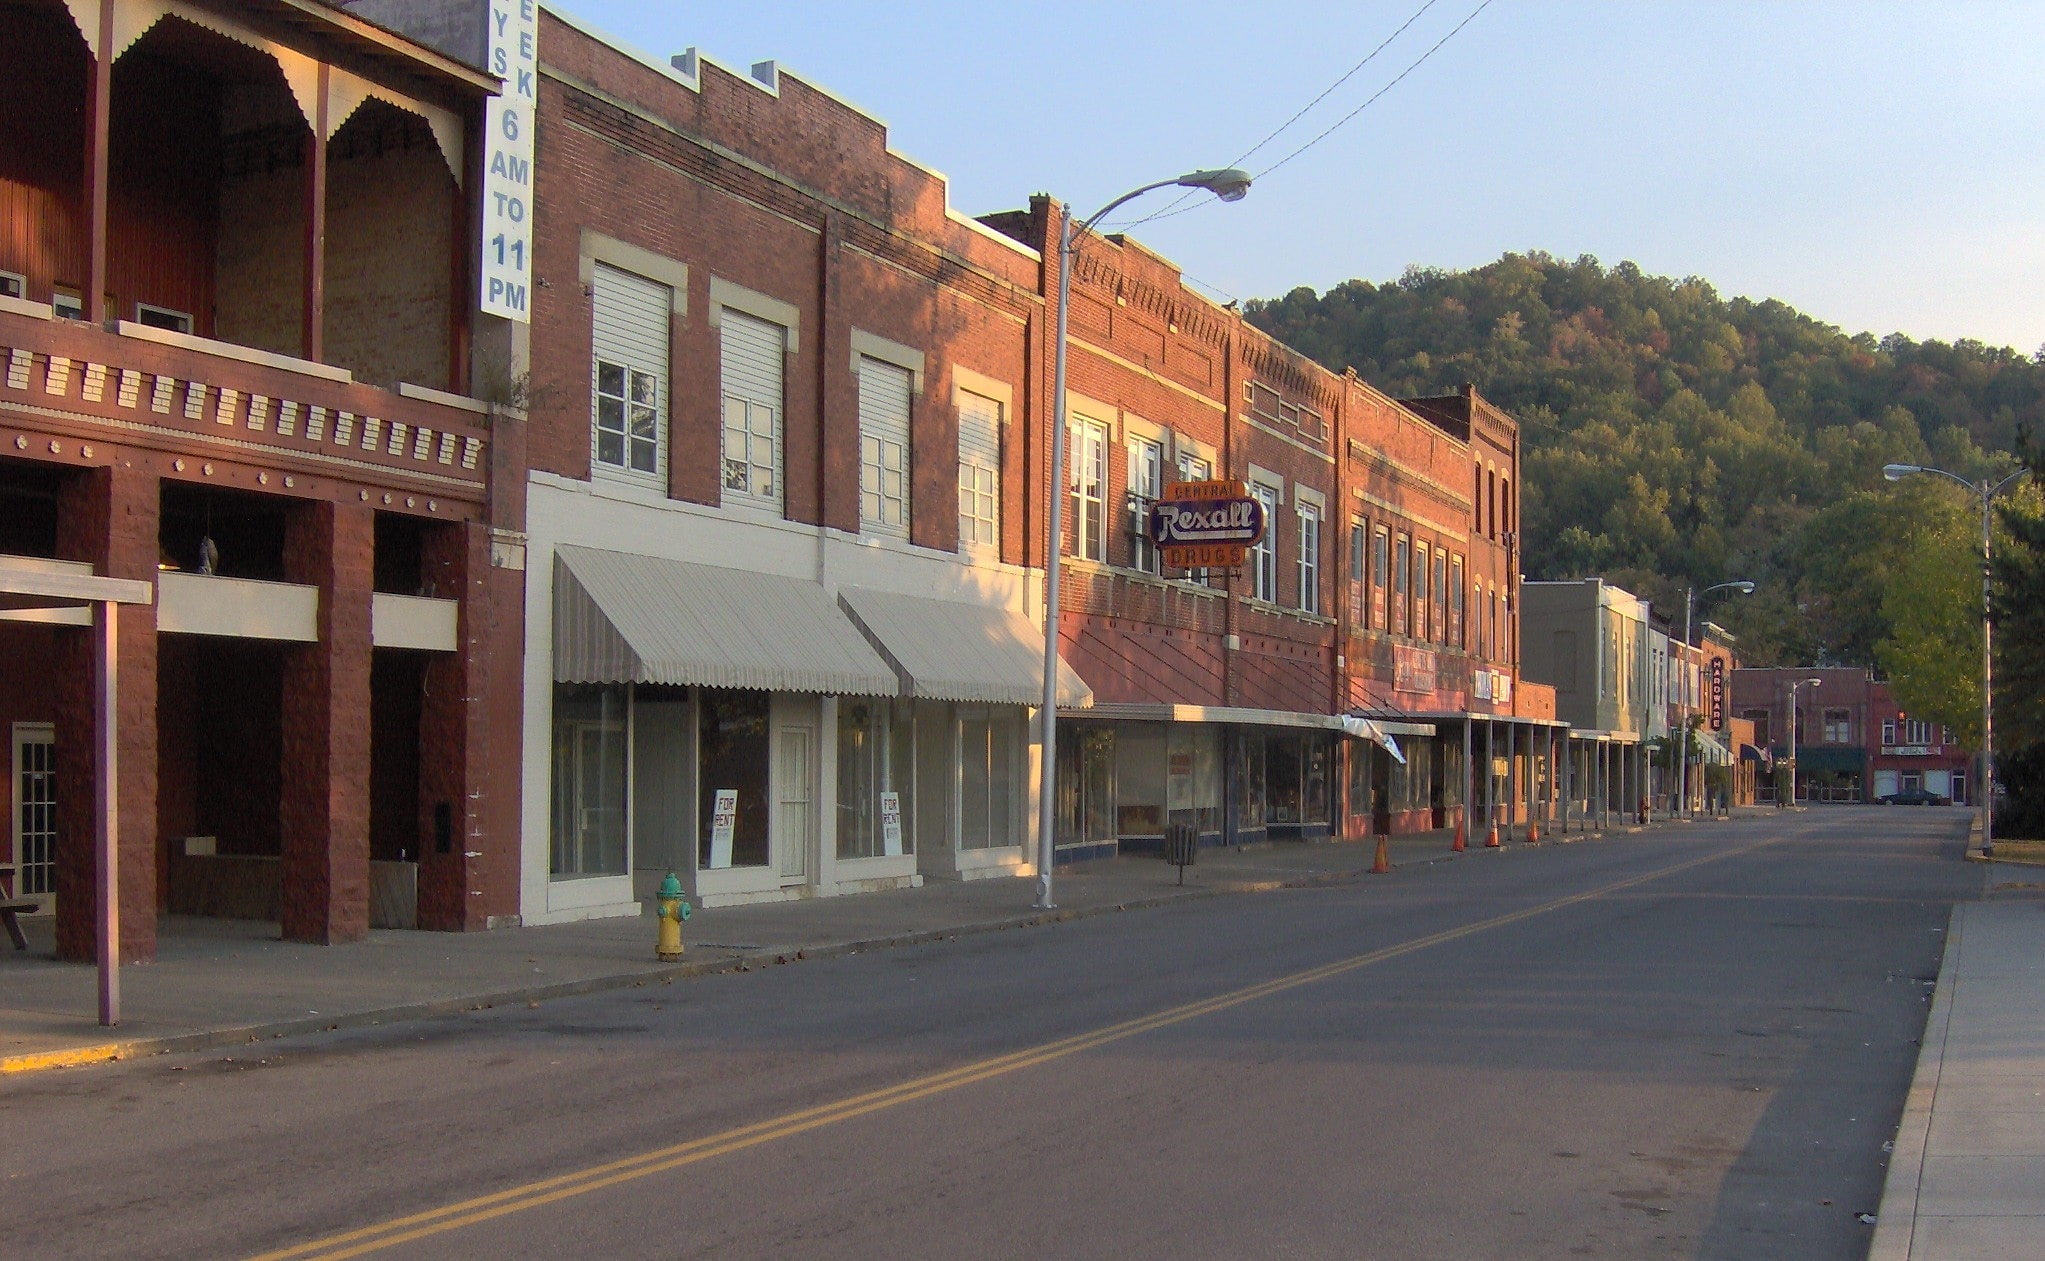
1827 759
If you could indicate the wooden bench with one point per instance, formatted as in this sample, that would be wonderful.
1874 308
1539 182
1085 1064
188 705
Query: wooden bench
17 906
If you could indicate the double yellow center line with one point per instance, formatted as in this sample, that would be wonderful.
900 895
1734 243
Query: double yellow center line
388 1234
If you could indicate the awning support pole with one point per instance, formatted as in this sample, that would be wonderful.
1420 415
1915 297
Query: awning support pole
106 824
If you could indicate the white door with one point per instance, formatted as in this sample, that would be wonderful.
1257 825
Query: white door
35 810
792 826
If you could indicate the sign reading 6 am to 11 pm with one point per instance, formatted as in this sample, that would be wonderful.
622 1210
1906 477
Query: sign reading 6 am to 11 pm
506 273
1203 525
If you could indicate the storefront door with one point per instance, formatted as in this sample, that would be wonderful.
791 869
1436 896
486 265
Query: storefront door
792 825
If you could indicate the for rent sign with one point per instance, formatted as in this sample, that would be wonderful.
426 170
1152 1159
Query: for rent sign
506 273
1203 525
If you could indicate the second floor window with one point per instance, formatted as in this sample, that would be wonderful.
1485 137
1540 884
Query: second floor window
1087 457
1456 602
629 341
1440 620
979 470
1359 562
1838 726
1380 567
884 392
1402 579
1146 485
751 360
1264 556
1759 717
1309 557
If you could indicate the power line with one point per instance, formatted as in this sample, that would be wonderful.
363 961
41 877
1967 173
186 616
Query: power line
1302 111
1170 211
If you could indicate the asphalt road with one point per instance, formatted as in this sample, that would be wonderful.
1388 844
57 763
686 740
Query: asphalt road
1690 1042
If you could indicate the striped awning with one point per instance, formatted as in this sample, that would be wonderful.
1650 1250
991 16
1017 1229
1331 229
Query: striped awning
624 618
950 650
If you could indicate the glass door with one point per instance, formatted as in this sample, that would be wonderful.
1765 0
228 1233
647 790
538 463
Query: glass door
791 825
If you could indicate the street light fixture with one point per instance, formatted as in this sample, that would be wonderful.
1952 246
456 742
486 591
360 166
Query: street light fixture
1793 737
1690 597
1988 491
1227 184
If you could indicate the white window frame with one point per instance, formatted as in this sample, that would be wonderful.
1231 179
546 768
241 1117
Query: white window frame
651 268
629 400
980 481
1311 509
1086 442
181 321
1269 490
15 282
885 494
1146 455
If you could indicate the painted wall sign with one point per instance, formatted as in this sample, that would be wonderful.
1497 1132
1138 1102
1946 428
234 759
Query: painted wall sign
1201 525
507 263
723 823
891 824
1413 669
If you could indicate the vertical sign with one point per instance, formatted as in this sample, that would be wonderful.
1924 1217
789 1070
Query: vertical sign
506 273
723 822
1718 693
891 824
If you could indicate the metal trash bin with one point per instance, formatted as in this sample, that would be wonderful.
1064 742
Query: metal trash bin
1182 847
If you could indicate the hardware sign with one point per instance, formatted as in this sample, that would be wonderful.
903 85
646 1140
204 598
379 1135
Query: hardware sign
1206 524
1718 693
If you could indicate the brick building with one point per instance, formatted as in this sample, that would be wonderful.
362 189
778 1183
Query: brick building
1853 742
237 268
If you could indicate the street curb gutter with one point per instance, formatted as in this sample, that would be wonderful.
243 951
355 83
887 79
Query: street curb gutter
210 1039
1896 1218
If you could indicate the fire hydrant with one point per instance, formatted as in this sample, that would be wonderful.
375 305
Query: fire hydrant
673 909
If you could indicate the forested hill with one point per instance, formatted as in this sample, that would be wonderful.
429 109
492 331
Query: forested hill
1675 436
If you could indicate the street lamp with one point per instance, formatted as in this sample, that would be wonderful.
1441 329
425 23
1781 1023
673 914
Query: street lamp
1988 491
1229 184
1690 597
1793 737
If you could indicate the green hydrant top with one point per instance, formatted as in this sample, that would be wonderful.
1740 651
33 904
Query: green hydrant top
670 887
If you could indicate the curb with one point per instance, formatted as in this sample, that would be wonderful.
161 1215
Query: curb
242 1035
1896 1215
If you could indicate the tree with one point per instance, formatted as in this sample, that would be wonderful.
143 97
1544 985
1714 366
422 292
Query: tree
2019 611
1932 605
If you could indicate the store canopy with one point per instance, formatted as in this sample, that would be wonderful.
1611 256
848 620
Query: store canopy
1830 760
1748 753
1373 731
623 618
1709 749
950 650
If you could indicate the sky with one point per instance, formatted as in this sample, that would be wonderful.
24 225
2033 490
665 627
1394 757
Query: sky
1880 166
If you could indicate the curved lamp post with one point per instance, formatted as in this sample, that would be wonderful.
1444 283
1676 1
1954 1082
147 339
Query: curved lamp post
1987 490
1793 735
1690 597
1229 184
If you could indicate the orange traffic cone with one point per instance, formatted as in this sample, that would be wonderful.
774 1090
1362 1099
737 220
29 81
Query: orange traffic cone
1460 843
1533 833
1383 865
1491 838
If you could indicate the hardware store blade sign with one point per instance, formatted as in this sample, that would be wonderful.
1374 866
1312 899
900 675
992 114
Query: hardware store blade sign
506 274
1206 525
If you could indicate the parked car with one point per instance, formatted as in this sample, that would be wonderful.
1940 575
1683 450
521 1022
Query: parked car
1915 797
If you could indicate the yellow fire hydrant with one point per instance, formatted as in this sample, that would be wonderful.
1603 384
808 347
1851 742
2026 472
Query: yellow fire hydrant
674 908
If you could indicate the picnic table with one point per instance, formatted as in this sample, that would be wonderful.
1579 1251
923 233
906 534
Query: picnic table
11 906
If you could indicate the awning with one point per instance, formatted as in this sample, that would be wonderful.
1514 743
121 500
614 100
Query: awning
1368 729
1147 711
950 650
623 618
1830 760
1709 749
1748 753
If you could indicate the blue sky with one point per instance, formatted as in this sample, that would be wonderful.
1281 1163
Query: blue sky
1880 166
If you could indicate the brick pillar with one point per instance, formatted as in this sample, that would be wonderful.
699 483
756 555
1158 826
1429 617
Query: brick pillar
325 808
108 517
454 733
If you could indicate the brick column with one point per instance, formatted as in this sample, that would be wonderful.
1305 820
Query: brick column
325 807
453 733
108 517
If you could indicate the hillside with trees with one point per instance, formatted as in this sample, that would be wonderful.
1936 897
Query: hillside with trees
1674 436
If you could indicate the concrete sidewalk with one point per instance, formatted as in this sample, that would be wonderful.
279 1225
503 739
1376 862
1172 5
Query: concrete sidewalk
1967 1181
225 982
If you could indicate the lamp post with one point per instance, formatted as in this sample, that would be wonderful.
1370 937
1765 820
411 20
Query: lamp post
1812 683
1690 597
1229 184
1988 491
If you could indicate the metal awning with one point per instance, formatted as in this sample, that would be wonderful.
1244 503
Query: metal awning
1146 711
624 618
1709 745
1374 731
1748 753
950 650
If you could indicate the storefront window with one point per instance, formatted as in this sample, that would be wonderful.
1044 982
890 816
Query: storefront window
1193 776
734 756
589 780
875 753
1313 788
1282 767
988 741
1086 786
1246 779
